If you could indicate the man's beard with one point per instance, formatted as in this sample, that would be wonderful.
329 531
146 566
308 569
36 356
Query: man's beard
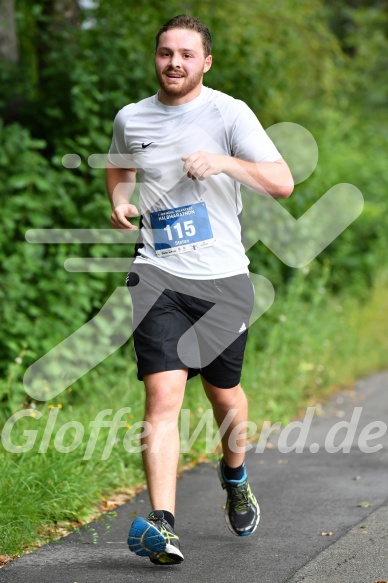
175 91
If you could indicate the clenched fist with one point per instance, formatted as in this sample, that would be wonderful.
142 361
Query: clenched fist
119 216
201 165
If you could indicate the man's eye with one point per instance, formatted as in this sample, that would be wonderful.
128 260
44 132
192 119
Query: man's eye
188 56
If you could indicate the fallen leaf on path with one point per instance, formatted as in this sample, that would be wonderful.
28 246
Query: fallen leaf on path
326 533
364 504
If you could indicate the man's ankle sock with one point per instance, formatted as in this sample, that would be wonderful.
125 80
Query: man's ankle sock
169 517
233 473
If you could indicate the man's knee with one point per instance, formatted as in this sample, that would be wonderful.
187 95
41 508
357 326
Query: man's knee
164 393
226 398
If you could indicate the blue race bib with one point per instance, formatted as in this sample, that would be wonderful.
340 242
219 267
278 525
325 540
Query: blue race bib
181 229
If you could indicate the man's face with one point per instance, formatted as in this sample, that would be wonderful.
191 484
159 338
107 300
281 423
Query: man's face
180 63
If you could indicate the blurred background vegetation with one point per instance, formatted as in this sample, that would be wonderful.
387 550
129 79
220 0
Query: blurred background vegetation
68 66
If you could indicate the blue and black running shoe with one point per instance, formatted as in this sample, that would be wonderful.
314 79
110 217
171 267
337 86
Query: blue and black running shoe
153 537
242 512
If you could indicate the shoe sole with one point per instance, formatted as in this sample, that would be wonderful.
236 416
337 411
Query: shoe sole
145 540
227 520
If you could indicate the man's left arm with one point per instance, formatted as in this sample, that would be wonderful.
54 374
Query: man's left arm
267 178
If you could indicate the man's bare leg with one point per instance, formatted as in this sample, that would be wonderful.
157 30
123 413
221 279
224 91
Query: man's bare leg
164 396
242 512
222 401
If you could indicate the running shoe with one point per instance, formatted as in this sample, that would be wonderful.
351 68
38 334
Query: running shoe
153 537
242 512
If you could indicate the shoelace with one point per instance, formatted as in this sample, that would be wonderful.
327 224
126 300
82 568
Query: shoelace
154 518
239 496
165 528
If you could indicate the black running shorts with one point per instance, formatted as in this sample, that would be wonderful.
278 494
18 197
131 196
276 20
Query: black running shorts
199 325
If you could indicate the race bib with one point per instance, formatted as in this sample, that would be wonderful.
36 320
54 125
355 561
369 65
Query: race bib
181 229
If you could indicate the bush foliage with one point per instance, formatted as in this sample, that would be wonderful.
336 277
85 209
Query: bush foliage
318 64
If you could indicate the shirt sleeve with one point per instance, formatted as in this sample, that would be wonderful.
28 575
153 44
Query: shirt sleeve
118 154
249 140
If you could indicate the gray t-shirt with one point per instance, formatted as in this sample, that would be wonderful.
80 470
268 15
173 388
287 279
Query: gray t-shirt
190 228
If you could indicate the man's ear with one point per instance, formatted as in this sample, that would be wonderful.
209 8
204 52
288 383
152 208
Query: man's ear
208 63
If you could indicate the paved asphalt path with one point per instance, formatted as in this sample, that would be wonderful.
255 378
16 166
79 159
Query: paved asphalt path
301 495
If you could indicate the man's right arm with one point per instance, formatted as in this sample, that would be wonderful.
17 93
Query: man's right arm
120 184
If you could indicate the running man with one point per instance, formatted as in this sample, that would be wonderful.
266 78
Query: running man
192 147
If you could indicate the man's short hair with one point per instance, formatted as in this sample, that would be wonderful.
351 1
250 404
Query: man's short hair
189 23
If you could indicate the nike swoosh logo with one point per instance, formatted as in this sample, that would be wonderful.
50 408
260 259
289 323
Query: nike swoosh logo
146 145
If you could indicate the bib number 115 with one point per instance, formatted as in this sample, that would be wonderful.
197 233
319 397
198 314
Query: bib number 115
188 230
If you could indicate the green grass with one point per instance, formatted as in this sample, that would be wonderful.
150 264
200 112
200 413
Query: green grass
307 345
315 347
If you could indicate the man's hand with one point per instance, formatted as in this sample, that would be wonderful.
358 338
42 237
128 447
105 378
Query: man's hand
118 218
201 165
267 178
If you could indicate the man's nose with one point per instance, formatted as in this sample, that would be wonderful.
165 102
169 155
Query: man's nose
175 61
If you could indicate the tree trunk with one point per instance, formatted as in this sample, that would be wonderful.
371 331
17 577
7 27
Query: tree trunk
9 50
66 11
